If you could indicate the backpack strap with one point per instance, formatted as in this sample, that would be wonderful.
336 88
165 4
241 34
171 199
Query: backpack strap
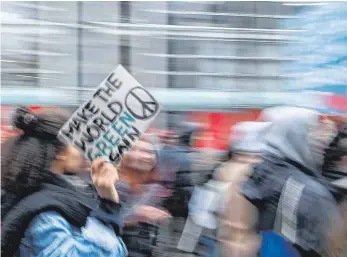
286 215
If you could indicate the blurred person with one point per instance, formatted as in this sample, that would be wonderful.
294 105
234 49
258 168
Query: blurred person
202 161
321 65
174 168
137 171
291 199
334 155
237 218
215 205
332 171
45 209
168 161
337 151
187 131
141 203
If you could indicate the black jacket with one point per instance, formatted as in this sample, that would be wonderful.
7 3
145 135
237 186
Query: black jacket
55 194
316 208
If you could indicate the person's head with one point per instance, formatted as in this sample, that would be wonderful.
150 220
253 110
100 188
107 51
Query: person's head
28 157
246 139
273 113
300 135
188 132
70 160
140 162
336 152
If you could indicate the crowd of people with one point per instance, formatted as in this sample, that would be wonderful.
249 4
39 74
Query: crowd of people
272 194
279 190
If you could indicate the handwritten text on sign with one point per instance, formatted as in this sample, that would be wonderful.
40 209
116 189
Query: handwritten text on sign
109 123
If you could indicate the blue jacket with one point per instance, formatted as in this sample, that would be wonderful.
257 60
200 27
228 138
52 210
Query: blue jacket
60 219
49 234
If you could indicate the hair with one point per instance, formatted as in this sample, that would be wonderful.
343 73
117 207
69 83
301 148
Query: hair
335 152
27 158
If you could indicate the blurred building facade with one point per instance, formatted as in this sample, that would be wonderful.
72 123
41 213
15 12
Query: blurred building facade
209 45
194 56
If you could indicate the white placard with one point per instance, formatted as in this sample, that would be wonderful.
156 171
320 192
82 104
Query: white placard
113 118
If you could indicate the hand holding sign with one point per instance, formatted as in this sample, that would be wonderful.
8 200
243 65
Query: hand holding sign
104 177
112 120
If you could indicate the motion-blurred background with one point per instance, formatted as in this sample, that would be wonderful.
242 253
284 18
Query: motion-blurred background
216 63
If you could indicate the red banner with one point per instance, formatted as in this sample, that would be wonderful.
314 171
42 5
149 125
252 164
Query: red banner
218 125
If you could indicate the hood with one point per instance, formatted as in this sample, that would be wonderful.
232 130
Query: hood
288 137
247 137
273 113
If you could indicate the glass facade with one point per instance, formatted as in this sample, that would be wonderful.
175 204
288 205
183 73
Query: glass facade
224 46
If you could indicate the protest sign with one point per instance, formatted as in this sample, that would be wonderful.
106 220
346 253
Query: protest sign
111 121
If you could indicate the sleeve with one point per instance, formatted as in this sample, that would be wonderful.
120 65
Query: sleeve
51 235
151 197
318 216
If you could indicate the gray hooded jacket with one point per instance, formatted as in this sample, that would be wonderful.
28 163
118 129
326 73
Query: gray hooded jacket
285 187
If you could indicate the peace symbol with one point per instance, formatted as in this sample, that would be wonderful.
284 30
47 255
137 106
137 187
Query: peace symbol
141 104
